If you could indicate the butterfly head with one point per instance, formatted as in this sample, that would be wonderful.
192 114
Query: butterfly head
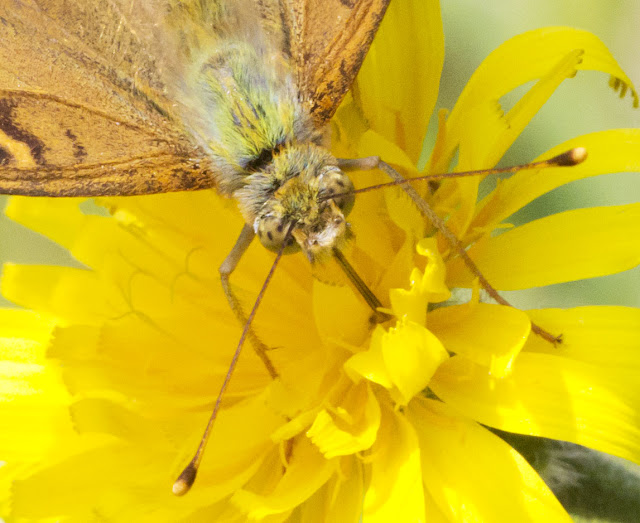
311 192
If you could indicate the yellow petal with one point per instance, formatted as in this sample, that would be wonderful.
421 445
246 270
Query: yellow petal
432 511
102 474
339 314
94 361
102 477
67 487
587 330
609 151
395 488
370 364
199 219
549 396
409 305
229 460
411 355
457 455
58 290
432 282
23 336
349 427
526 108
373 144
308 470
457 198
111 417
34 401
98 481
397 91
533 55
489 132
427 286
59 219
568 246
395 279
340 499
374 234
402 359
489 334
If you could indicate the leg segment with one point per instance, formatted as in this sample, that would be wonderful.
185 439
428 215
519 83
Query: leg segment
373 162
226 268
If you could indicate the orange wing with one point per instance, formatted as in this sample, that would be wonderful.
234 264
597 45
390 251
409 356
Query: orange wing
82 111
327 41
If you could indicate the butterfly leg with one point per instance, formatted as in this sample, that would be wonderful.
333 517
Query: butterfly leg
226 268
374 162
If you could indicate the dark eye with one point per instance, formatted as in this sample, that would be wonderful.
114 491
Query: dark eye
337 183
271 231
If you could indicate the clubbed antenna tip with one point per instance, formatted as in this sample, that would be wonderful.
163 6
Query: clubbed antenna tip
185 480
571 157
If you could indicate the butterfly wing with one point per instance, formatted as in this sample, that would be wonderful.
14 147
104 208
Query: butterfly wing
327 41
82 110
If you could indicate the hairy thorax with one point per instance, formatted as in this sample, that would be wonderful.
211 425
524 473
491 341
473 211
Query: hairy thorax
268 154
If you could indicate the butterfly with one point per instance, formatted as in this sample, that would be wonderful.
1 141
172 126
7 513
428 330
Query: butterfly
127 97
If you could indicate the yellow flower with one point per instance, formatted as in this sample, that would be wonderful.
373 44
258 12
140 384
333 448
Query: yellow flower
107 386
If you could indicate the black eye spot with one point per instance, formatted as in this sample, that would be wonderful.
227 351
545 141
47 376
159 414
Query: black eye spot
280 227
340 183
331 190
270 236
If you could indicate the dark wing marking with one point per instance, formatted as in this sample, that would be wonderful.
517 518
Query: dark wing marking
82 105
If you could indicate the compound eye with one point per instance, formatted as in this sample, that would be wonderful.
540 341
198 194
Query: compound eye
271 231
339 184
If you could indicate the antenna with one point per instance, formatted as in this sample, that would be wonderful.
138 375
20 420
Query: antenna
188 475
566 159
